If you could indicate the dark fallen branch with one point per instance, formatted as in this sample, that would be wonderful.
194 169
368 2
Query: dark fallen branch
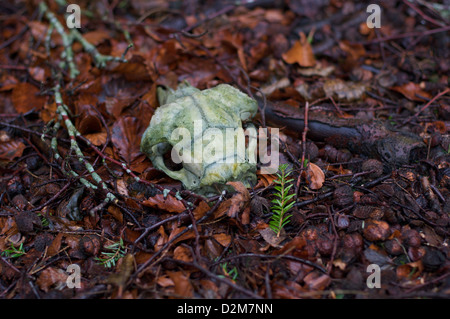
370 138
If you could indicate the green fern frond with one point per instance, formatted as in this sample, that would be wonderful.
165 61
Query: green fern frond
283 201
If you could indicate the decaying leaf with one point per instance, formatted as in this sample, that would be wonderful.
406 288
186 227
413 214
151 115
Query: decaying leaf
314 176
183 286
343 91
412 91
301 53
239 199
52 278
169 203
11 149
25 97
271 237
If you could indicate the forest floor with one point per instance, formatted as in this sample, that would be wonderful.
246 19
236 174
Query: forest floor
81 206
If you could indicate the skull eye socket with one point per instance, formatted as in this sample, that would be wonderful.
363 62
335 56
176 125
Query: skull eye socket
169 162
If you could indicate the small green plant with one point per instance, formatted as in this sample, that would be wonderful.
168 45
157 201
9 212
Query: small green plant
283 203
14 252
233 273
116 251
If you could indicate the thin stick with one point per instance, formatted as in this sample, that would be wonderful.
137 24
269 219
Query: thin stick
423 15
426 105
406 35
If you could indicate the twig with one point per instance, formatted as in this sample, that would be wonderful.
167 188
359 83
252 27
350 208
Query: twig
218 278
406 35
422 14
425 106
293 258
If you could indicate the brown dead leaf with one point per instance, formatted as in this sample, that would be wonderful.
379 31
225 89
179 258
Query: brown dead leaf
48 112
410 270
301 53
182 253
412 91
183 286
126 137
314 176
223 239
239 199
265 180
176 230
25 98
315 281
52 278
201 209
97 139
11 149
96 37
116 213
271 237
343 91
87 120
162 239
55 246
165 281
354 50
169 204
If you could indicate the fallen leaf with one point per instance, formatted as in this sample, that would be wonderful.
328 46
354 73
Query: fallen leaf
355 50
116 213
223 239
96 139
318 70
25 98
412 91
182 253
342 90
239 199
301 53
52 278
164 281
271 237
314 176
55 246
126 137
169 204
183 286
201 209
315 281
11 149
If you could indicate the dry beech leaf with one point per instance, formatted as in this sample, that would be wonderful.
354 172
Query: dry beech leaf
316 281
11 149
183 286
223 239
116 213
239 199
126 137
355 50
182 253
169 204
52 278
314 176
342 90
271 237
164 281
201 209
412 91
162 239
25 98
301 52
55 246
98 139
